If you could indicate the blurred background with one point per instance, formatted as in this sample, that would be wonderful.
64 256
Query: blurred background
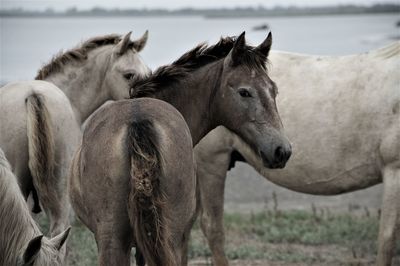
32 31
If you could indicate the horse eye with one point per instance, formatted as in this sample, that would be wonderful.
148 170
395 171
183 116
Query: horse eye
129 76
244 93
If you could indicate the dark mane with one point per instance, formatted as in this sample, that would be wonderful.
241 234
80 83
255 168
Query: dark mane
76 54
199 56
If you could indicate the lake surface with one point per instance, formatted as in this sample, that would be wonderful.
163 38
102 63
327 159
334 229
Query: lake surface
27 43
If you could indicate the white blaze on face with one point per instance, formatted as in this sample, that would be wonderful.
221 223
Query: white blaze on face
253 74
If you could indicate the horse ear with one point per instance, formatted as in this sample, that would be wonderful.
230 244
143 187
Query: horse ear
265 46
123 45
59 240
32 250
238 49
140 43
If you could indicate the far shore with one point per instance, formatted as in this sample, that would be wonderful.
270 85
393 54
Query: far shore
243 12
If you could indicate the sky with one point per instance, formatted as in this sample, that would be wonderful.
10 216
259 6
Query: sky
171 4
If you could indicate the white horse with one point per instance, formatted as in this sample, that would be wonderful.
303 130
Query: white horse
21 242
40 120
342 115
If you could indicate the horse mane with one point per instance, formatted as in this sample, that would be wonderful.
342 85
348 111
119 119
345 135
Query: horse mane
17 226
201 55
389 50
77 54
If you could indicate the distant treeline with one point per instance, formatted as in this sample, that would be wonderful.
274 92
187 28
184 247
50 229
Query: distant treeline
259 11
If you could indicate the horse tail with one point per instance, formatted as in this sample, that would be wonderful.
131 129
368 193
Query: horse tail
146 202
41 149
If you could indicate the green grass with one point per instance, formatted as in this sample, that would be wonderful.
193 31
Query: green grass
301 227
272 236
287 237
82 247
356 236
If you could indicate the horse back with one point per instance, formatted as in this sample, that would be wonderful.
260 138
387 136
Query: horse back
105 155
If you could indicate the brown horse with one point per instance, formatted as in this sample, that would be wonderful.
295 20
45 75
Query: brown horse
21 242
224 84
147 154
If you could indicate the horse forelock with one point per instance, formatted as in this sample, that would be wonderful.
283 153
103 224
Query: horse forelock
78 54
192 60
48 255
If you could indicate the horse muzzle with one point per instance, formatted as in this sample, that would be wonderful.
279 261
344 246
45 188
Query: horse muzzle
276 157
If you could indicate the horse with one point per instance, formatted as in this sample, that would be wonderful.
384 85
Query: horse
150 154
40 120
223 84
21 241
343 118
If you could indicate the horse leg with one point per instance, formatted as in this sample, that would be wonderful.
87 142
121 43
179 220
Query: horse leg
52 205
181 219
112 250
181 238
185 250
28 188
36 206
113 236
57 209
25 182
139 258
186 240
390 215
67 142
211 182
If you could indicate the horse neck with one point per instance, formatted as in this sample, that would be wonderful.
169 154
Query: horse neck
82 82
17 226
192 97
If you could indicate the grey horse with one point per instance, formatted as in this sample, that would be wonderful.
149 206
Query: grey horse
343 118
21 242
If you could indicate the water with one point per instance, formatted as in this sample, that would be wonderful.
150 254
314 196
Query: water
27 43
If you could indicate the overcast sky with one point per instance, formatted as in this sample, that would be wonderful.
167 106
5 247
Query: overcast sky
171 4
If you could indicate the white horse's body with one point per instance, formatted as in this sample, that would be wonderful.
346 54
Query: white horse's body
40 120
342 115
39 142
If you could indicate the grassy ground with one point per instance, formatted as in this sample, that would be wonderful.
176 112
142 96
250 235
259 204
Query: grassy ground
272 238
295 238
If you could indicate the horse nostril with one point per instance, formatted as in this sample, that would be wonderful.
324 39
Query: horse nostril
279 157
263 155
279 154
288 154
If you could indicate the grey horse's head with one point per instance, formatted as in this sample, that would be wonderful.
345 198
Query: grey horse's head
42 251
125 65
245 101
